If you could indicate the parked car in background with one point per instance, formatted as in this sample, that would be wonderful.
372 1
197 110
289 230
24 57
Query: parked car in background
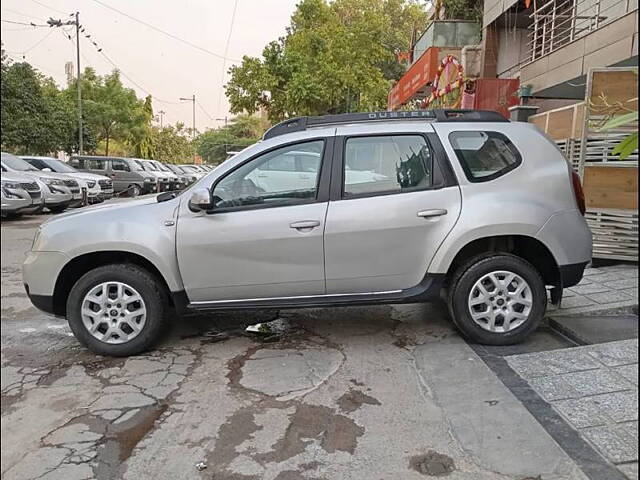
191 169
57 195
175 182
20 194
90 181
185 177
463 205
162 179
126 174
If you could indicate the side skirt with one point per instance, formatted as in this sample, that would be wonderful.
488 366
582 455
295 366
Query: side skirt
427 290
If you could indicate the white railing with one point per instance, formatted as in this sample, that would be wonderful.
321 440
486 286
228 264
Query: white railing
555 23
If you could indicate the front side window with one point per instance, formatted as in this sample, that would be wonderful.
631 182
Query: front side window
484 155
38 163
386 164
264 181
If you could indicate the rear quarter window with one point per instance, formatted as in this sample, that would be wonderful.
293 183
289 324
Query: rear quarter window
484 155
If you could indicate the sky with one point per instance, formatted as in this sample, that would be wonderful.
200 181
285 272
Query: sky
160 65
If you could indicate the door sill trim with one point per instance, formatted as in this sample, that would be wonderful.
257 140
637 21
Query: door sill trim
426 290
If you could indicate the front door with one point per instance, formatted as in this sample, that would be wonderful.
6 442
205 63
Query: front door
260 241
390 212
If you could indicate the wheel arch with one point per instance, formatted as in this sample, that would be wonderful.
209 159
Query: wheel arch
526 247
78 266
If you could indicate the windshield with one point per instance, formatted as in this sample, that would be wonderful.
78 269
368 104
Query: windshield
146 166
59 166
189 169
162 167
15 163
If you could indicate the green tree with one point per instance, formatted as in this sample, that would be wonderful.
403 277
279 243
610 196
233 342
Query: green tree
336 57
172 143
242 131
140 135
110 110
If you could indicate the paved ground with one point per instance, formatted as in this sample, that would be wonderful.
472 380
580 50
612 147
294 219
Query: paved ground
354 393
595 388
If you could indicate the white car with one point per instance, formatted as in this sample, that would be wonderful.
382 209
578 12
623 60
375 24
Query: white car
20 194
90 181
302 168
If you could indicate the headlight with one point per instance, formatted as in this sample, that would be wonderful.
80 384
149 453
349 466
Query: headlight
53 181
148 179
10 185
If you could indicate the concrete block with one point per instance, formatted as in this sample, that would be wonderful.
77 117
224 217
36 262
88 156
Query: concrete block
582 412
590 330
615 448
628 372
611 296
619 406
553 388
614 354
594 382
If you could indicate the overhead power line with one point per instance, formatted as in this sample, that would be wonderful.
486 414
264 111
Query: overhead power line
35 44
31 24
204 111
51 8
226 49
164 32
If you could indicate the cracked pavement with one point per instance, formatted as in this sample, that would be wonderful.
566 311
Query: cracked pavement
351 393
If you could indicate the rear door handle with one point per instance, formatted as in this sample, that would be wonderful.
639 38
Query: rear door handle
436 212
305 224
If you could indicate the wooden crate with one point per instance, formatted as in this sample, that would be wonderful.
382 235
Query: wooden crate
611 187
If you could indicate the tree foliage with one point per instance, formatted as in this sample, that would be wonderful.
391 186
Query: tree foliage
171 144
241 132
337 57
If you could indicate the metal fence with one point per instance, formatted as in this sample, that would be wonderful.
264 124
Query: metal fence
555 23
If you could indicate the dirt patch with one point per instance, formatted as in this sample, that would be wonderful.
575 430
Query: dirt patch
433 464
354 399
334 431
238 428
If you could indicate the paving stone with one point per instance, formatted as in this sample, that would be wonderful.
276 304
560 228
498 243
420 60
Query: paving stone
629 372
594 382
592 271
619 406
589 288
612 296
612 445
622 283
553 388
630 292
582 412
592 329
630 470
630 429
576 301
608 276
542 364
613 354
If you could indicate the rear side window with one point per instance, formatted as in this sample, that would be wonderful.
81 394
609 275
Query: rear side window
94 164
386 164
484 155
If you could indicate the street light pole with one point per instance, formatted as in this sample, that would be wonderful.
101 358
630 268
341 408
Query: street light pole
193 130
161 115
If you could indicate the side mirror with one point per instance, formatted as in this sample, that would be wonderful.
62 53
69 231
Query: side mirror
47 169
200 200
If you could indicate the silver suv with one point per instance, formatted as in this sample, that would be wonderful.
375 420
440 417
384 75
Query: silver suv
463 203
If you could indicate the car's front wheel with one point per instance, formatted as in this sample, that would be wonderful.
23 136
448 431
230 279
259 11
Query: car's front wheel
117 310
497 299
135 190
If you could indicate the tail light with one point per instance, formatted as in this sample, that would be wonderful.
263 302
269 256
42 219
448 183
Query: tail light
578 192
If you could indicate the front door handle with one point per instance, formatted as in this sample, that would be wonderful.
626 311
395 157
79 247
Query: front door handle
436 212
305 224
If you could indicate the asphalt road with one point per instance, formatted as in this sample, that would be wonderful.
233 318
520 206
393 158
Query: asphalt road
352 393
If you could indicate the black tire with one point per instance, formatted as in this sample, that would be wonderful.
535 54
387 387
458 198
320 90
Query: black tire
57 209
148 286
468 274
134 190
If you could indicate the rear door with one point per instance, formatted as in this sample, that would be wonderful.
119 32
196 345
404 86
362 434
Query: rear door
393 201
121 174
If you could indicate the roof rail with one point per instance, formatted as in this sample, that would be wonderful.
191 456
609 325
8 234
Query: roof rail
300 124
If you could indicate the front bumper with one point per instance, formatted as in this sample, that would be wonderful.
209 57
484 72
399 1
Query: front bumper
39 273
12 205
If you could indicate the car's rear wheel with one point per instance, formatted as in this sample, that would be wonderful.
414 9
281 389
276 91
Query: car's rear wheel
117 310
57 209
497 300
135 190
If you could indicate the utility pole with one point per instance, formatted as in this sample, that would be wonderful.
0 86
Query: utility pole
59 23
221 119
79 86
193 130
161 116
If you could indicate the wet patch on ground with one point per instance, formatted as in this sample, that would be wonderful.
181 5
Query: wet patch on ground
433 464
354 399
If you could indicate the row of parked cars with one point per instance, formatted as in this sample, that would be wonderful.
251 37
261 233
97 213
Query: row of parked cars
32 183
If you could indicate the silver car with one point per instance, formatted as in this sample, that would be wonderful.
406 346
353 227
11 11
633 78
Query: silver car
460 204
88 181
58 191
20 194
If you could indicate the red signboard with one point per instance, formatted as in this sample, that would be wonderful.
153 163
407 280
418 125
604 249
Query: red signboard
417 77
